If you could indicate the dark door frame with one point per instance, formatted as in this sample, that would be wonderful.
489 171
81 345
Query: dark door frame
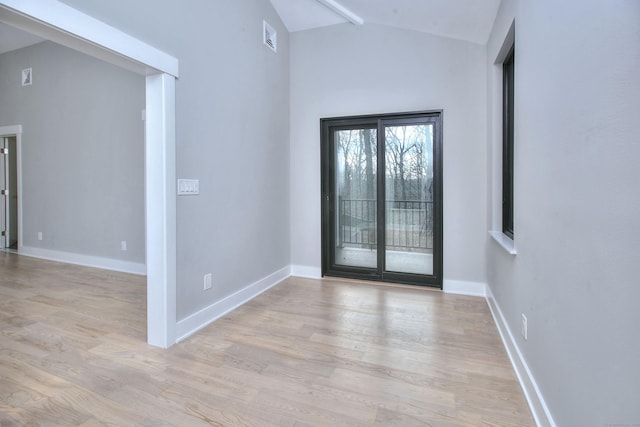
378 121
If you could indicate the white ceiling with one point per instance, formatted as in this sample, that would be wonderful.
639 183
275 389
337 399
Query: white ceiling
469 20
13 39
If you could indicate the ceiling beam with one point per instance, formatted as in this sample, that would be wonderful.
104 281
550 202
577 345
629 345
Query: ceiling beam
342 11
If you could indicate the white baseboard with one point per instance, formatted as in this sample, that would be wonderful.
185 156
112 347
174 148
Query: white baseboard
85 260
306 271
476 289
204 317
449 286
539 409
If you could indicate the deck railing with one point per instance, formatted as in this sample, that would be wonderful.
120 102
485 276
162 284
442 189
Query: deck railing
408 223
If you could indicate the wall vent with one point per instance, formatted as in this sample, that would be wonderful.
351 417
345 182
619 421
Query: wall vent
269 36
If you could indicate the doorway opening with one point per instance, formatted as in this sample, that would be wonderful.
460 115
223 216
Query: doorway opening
382 197
8 191
69 27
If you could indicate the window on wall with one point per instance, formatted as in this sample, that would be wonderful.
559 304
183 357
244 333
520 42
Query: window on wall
508 76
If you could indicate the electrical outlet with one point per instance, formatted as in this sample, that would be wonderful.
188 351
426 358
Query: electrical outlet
207 281
123 245
39 235
524 326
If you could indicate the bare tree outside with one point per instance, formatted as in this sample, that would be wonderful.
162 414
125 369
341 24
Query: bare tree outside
409 187
357 187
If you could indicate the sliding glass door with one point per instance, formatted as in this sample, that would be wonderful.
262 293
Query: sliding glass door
381 184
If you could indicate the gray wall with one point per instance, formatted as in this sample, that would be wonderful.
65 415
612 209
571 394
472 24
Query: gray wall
577 146
82 151
232 130
350 70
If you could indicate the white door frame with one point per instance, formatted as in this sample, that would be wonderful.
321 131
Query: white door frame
4 212
61 23
8 131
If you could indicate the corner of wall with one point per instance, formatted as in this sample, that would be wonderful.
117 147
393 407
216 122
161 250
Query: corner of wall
85 260
461 287
306 271
197 321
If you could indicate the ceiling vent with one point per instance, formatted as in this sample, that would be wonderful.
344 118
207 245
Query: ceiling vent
269 36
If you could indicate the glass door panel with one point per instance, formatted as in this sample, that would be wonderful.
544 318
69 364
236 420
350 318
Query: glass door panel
355 210
409 220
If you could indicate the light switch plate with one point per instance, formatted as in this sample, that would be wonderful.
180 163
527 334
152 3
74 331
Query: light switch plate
187 187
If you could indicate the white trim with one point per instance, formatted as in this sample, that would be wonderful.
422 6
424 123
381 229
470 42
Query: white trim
78 28
306 271
16 130
85 260
532 393
505 242
19 172
160 149
460 287
204 317
5 214
10 130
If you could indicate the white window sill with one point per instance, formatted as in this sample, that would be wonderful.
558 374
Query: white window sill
506 243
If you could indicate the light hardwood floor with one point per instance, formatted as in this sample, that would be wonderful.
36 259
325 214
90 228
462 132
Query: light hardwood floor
305 353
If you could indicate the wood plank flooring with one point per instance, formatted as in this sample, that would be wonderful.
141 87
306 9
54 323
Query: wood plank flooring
305 353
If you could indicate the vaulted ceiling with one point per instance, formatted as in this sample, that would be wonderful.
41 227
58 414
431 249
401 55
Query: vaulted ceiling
469 20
